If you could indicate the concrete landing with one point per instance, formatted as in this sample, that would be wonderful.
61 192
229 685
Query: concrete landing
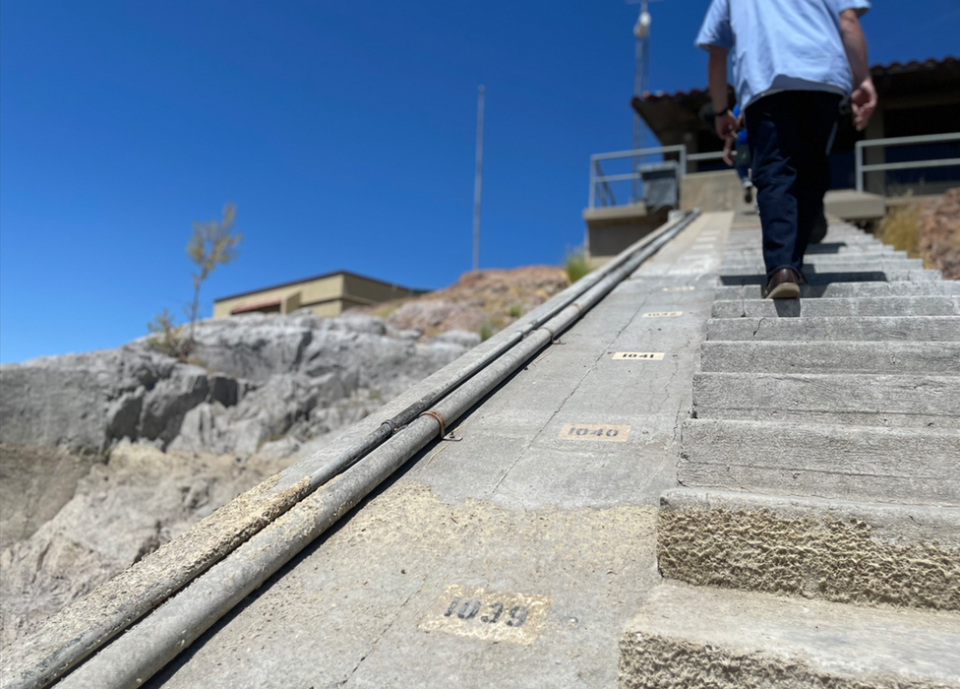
705 637
514 553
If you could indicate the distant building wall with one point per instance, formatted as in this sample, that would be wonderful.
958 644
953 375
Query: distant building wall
325 295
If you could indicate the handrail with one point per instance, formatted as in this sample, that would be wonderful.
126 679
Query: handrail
712 155
861 168
598 178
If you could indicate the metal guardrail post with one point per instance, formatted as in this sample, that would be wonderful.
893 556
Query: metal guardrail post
597 178
593 182
861 168
858 162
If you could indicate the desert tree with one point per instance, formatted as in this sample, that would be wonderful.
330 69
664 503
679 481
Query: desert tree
212 243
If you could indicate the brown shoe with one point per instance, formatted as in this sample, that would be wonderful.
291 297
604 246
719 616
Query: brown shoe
785 284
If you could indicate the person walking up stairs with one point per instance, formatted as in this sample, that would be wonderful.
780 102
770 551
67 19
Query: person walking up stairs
794 61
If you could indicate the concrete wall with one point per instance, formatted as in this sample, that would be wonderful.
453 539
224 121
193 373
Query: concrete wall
360 290
611 230
324 289
711 191
327 295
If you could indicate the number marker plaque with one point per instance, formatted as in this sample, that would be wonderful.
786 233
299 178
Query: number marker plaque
638 356
596 432
471 611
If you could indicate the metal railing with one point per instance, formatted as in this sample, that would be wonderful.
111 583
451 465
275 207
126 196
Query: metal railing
600 190
712 155
599 182
862 169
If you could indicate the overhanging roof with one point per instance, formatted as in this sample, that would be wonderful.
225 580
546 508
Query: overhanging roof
672 116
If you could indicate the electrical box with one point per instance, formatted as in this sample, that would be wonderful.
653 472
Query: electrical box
661 183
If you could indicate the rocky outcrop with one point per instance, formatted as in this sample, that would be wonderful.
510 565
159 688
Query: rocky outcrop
254 380
938 233
480 301
121 510
106 456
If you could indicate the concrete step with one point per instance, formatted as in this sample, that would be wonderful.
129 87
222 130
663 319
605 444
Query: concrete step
833 232
918 401
826 277
827 249
824 264
847 307
860 253
749 237
837 248
852 289
865 329
835 262
890 465
850 552
849 254
895 358
687 637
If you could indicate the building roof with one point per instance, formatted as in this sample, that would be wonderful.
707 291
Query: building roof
675 117
316 277
876 71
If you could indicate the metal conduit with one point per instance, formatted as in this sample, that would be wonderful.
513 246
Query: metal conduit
53 662
534 320
156 640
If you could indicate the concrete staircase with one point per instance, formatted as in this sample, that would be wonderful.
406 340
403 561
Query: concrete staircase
815 541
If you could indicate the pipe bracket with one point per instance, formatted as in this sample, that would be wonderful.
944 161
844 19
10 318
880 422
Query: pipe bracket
438 417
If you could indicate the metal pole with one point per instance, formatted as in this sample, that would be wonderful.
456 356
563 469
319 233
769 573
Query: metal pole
858 161
637 90
593 182
478 181
642 32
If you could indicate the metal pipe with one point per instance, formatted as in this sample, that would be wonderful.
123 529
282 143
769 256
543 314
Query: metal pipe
710 155
620 177
912 164
902 140
640 151
858 162
593 185
478 181
147 647
110 609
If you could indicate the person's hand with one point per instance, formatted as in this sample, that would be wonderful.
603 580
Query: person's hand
864 102
727 148
726 125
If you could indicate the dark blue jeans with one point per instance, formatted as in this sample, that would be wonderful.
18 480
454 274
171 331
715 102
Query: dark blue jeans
789 133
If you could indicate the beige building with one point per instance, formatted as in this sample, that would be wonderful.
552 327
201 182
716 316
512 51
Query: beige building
325 295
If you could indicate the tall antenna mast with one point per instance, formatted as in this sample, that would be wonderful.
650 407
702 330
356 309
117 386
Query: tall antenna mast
478 181
642 67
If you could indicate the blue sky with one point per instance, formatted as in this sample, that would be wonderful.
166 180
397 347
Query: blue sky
343 131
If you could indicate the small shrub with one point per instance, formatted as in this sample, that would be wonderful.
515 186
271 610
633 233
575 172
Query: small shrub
166 336
899 228
516 310
576 265
486 332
